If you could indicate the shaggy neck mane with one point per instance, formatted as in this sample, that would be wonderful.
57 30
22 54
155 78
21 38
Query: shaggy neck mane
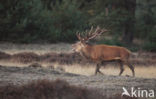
85 52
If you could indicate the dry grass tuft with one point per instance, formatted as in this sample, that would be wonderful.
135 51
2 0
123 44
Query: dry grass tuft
62 58
45 89
25 57
4 55
35 65
69 58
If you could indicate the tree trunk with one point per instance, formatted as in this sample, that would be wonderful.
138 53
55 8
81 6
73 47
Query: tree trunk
130 6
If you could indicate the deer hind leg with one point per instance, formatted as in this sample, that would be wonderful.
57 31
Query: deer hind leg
132 68
121 67
97 70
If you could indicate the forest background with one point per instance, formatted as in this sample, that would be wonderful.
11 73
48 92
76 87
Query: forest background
131 23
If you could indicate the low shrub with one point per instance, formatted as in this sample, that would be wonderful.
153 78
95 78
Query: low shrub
4 55
45 89
25 57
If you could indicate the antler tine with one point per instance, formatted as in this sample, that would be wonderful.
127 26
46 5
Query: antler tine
97 28
78 35
85 33
94 34
97 32
89 33
101 31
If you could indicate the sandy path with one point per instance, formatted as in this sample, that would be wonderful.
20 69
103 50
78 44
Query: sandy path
105 84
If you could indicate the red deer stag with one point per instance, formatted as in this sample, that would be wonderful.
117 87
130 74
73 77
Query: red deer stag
101 53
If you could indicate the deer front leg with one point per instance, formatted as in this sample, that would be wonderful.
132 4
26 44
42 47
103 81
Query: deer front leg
97 70
132 68
121 68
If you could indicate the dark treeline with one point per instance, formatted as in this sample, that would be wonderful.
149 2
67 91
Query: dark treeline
38 21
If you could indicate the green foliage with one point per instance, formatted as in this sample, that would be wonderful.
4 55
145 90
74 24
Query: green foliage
113 41
113 21
37 21
117 16
152 35
67 20
150 44
145 24
145 18
24 21
28 21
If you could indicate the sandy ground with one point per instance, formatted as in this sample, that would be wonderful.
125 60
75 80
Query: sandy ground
106 84
89 69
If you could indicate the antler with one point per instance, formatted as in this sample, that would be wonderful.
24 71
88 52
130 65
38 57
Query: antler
90 34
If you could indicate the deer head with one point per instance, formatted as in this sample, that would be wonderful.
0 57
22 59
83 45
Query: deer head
84 37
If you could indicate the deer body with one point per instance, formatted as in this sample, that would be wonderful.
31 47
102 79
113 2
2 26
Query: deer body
103 53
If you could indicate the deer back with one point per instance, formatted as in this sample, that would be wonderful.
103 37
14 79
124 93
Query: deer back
105 52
